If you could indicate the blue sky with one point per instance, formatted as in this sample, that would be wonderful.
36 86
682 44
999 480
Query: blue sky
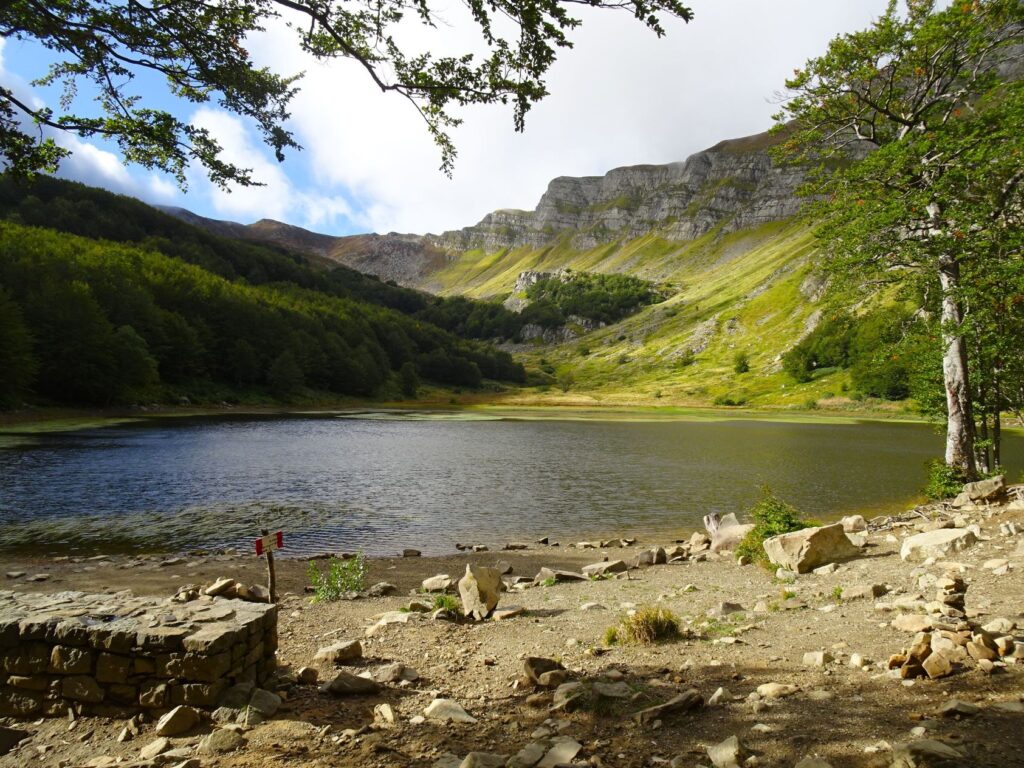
621 97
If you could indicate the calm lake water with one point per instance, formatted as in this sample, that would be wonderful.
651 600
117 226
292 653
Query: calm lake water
383 483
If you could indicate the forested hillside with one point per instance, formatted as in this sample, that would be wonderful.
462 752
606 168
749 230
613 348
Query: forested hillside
115 302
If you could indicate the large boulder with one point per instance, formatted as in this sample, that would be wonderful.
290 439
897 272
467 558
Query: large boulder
938 543
803 551
726 532
992 489
479 589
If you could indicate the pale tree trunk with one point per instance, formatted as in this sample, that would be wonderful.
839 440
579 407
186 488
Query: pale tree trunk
960 421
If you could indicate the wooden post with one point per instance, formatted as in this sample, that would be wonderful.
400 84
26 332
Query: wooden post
271 575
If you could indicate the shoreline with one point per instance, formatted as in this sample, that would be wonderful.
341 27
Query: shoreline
55 419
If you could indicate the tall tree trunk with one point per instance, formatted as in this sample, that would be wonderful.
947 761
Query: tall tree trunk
959 421
997 424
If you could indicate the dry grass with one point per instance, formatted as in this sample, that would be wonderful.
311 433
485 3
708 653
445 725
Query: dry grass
648 625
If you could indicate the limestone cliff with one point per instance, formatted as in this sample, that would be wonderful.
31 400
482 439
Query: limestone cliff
731 186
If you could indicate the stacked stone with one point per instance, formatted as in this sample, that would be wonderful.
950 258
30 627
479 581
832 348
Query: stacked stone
950 594
113 655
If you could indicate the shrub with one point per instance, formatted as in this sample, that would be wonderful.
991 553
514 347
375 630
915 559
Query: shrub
647 626
771 517
944 481
447 603
342 576
741 362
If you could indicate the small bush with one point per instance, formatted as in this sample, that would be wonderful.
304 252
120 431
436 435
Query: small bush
342 577
647 626
447 603
771 517
944 481
741 362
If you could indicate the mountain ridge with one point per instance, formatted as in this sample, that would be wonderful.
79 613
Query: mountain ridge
731 186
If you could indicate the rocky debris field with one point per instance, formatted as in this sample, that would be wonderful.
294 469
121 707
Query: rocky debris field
907 651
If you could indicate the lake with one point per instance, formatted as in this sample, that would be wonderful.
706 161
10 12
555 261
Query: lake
381 482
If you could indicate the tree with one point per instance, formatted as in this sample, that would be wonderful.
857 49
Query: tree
17 364
198 47
285 376
897 121
408 379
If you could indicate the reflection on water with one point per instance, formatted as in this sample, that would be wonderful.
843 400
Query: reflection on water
382 483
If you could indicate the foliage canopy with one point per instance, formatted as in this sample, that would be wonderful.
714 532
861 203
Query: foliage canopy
199 49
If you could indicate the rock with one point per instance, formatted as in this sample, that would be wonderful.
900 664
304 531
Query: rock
684 702
776 690
980 652
221 586
726 609
483 760
384 714
447 711
854 523
535 666
154 748
937 665
528 756
391 617
447 760
347 684
340 652
395 673
504 567
926 753
562 753
509 612
265 702
220 741
382 589
480 590
912 622
179 720
592 607
440 583
727 754
411 553
813 762
803 551
957 708
937 544
817 658
552 575
992 489
864 592
603 569
567 696
611 690
825 570
1000 626
308 675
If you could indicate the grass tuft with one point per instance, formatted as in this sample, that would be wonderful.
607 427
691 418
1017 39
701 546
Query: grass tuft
647 626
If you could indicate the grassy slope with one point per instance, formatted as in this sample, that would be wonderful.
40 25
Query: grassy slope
743 290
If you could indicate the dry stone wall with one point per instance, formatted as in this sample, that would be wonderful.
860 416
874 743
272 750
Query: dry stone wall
114 654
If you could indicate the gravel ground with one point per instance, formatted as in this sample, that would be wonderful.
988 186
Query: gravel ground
847 716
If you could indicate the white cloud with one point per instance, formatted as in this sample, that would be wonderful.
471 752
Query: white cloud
277 198
621 97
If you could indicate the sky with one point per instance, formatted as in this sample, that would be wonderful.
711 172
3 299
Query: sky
622 96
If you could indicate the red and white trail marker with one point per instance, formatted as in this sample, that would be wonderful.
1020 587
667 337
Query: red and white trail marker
269 543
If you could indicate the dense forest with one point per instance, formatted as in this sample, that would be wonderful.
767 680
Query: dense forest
104 300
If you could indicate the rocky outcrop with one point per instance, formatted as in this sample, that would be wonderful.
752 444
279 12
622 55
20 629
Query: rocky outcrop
733 185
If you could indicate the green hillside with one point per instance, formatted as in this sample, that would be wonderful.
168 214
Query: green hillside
172 312
749 292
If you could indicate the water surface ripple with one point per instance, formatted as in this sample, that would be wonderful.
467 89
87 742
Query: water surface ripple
381 484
